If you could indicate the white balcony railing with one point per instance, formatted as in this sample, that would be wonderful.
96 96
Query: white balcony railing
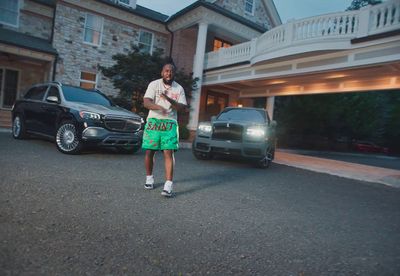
369 20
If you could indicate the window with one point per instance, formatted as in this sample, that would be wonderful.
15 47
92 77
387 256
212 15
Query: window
249 6
219 43
93 29
76 94
9 12
36 93
88 80
255 116
146 42
215 102
53 91
124 2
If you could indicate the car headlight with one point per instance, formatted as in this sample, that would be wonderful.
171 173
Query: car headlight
204 128
89 115
256 132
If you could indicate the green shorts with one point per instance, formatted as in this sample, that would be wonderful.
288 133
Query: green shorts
160 134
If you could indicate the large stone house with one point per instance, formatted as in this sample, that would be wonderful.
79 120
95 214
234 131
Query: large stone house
66 40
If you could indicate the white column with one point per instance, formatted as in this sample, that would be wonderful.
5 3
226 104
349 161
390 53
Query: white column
198 66
270 107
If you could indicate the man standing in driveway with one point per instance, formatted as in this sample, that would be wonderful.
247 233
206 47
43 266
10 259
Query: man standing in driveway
163 97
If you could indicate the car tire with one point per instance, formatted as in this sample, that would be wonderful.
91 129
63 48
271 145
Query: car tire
67 139
200 155
18 127
128 149
265 162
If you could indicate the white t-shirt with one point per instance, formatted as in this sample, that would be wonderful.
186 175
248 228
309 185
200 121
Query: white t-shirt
175 92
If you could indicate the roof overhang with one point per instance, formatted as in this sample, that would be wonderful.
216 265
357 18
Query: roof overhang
191 15
22 44
201 13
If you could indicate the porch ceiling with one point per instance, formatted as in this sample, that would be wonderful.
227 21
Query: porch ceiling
382 77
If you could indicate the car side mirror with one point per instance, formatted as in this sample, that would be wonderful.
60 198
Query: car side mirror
213 118
273 124
52 99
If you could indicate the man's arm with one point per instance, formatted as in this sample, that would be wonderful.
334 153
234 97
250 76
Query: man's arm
149 104
175 104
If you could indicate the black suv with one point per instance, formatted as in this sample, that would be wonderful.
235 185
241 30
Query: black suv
73 117
240 132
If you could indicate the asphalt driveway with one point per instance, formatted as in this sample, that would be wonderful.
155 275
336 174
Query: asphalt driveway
89 214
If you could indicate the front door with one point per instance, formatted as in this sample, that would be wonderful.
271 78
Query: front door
8 87
215 103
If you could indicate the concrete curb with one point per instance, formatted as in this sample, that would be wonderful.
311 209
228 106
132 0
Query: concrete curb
355 171
366 173
5 130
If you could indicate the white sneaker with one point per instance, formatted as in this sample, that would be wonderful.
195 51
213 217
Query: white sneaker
167 191
149 182
149 186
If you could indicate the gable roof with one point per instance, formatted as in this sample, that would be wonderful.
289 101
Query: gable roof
50 3
270 9
26 41
220 10
139 10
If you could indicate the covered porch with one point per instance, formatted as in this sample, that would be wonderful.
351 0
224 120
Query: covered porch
24 61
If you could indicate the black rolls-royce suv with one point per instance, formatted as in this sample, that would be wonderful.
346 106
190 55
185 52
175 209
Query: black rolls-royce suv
74 117
243 132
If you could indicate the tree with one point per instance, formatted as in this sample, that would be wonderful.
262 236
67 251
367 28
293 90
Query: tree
358 4
132 73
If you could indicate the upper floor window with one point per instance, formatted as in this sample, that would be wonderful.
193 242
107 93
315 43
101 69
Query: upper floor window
146 42
88 80
9 12
249 6
93 29
219 43
125 2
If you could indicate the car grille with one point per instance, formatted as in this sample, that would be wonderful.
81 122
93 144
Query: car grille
227 131
122 124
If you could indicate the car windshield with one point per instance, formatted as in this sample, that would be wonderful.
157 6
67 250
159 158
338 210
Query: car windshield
247 115
76 94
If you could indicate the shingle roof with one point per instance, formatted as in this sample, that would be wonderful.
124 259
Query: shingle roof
50 3
219 10
140 10
26 41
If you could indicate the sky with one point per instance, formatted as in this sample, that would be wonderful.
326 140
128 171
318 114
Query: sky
287 9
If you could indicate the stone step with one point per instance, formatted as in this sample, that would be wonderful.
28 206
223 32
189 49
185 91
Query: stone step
5 119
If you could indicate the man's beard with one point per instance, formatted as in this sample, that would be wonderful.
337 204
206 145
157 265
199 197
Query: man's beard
168 82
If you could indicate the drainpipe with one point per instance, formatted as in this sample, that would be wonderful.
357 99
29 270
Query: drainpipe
53 77
172 40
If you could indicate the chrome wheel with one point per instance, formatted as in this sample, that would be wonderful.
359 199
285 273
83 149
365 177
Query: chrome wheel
66 138
266 160
17 126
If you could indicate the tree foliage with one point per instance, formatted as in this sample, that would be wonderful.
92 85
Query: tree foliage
133 72
358 4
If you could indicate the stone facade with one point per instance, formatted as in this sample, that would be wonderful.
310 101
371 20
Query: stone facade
35 25
260 16
75 55
34 19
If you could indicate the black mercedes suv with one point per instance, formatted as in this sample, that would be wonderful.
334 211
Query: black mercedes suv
74 117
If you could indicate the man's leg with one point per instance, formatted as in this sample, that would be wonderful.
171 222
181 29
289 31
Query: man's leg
169 163
149 163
